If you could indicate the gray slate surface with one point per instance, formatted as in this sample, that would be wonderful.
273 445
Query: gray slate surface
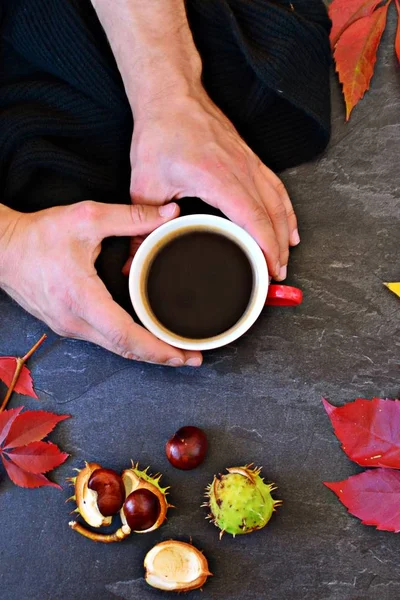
259 400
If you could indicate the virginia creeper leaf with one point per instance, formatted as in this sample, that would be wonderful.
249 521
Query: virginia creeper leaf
355 55
24 384
369 431
345 12
37 457
373 496
397 48
395 286
31 426
7 418
25 479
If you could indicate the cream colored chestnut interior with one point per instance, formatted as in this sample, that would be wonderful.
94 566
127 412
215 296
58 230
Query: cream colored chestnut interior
175 566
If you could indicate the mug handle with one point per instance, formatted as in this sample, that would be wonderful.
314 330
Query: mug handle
283 295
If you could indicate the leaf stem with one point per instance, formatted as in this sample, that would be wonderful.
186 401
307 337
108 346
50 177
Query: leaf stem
20 363
119 535
34 348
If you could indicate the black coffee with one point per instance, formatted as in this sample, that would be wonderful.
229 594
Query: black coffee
199 284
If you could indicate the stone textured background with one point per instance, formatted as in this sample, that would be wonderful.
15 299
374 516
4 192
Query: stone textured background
258 399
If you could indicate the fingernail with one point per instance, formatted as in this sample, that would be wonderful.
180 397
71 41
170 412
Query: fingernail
193 362
175 362
282 273
277 269
295 237
167 210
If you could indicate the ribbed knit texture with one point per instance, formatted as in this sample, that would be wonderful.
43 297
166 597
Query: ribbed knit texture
66 125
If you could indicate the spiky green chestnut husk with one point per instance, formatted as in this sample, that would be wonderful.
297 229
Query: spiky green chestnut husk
239 501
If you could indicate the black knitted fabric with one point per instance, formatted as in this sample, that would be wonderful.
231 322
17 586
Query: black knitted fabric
65 122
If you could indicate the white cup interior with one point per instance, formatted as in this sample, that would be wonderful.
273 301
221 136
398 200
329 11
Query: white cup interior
161 236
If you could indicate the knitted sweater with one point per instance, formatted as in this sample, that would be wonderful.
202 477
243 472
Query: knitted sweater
65 121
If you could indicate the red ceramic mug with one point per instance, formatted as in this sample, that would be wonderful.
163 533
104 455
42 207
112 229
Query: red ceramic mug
263 293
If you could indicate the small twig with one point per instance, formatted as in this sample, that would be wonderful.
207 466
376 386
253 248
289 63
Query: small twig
18 369
118 536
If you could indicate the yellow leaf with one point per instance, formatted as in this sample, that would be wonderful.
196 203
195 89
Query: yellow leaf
394 287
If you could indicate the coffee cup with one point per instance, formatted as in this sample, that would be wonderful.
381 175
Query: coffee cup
261 293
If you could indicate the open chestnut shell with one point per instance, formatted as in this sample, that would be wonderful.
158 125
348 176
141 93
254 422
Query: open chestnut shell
153 502
176 567
100 493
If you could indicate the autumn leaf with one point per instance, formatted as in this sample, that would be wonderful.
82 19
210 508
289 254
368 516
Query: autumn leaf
373 496
345 12
25 479
394 286
397 40
7 418
37 457
369 431
31 426
16 375
355 55
24 455
24 385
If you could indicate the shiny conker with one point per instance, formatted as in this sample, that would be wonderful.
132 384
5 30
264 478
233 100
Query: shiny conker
110 490
141 509
187 448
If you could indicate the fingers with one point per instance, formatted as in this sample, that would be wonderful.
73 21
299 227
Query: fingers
277 213
112 327
248 212
294 237
98 220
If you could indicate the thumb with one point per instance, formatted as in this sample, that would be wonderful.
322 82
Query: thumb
129 220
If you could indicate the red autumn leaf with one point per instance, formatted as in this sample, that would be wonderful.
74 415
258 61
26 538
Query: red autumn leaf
7 418
355 55
25 457
31 426
25 479
37 457
24 384
345 12
373 496
369 431
397 41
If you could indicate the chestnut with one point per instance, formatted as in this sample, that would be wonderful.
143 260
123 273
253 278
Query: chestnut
110 490
141 509
187 448
100 493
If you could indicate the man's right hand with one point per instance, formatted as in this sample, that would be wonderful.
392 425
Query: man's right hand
183 144
47 265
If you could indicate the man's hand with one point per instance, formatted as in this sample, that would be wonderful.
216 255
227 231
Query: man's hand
183 145
47 265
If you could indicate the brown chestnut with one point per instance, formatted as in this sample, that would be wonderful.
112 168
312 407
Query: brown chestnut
110 490
187 448
141 509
